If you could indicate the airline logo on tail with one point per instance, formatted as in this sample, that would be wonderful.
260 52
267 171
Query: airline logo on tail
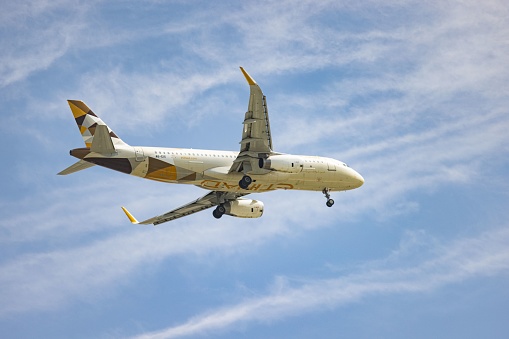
87 122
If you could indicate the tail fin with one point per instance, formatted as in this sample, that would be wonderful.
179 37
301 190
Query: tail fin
87 123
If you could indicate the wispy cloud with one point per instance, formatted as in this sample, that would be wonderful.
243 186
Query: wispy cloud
39 35
453 263
51 279
423 77
149 98
72 246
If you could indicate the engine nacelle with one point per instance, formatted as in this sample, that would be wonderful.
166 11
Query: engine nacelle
282 163
244 208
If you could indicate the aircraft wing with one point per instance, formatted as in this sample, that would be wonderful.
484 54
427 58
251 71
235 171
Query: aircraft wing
256 137
209 200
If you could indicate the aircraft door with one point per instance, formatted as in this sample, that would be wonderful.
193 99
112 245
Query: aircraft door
331 166
138 152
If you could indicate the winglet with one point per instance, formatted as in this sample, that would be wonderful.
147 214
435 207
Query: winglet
250 80
130 216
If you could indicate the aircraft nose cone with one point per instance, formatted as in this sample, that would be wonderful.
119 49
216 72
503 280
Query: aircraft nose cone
358 179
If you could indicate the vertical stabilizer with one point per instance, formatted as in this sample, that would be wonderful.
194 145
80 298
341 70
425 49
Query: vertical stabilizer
87 123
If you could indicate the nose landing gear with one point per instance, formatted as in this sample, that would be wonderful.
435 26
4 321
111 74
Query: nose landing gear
330 201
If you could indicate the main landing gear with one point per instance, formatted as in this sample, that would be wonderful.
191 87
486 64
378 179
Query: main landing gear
329 202
219 211
245 182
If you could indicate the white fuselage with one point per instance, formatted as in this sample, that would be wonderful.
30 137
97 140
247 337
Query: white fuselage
210 170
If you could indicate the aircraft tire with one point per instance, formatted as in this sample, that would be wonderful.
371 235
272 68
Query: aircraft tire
245 182
217 214
329 203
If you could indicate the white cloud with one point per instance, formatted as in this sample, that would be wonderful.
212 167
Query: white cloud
93 247
464 259
39 34
433 81
148 98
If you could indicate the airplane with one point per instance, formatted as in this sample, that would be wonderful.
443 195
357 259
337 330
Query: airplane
228 175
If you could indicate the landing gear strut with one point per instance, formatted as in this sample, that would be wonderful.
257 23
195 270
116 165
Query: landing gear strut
329 202
219 211
245 182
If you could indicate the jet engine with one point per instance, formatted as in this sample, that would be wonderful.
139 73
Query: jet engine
244 208
282 163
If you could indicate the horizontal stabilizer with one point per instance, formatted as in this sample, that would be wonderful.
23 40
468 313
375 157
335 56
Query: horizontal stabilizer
80 165
102 142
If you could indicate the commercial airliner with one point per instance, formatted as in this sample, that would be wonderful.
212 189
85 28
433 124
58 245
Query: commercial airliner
227 175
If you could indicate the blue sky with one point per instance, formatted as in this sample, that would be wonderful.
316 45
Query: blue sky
411 94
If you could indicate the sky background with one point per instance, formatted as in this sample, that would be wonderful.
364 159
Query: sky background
411 94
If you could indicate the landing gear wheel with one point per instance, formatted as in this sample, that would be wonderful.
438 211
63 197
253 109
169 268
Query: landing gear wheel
329 203
326 192
245 182
218 212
